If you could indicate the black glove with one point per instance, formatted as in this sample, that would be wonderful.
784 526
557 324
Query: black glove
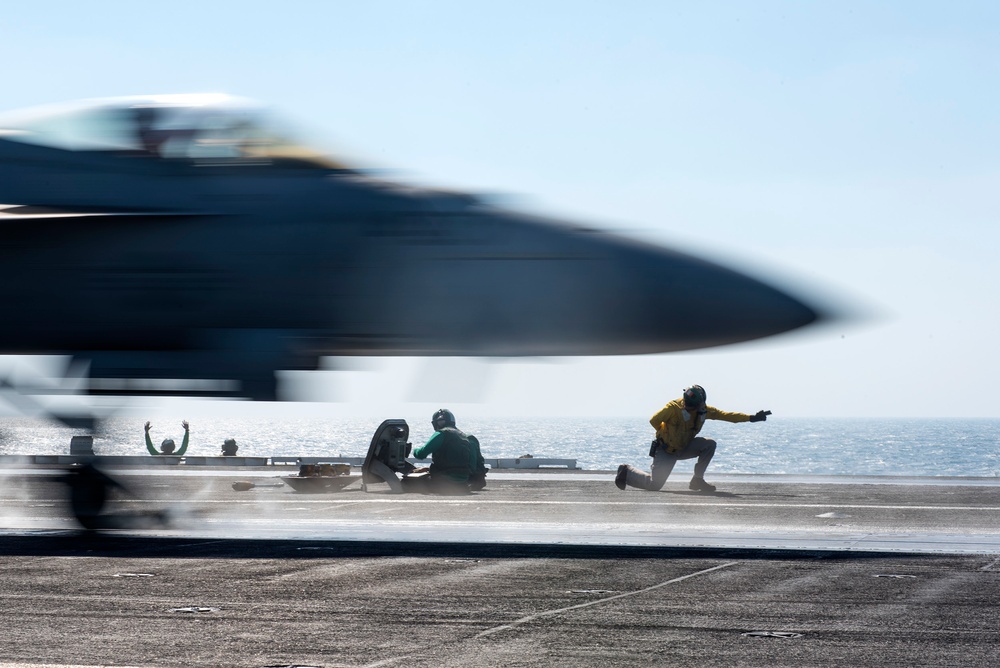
760 416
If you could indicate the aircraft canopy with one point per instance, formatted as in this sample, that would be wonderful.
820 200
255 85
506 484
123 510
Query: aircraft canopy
203 128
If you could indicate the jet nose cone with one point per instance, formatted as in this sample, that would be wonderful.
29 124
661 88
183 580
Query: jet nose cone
698 304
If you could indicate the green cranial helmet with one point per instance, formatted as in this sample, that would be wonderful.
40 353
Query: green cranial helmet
443 418
167 446
695 396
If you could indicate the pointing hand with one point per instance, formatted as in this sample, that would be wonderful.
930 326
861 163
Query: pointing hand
760 416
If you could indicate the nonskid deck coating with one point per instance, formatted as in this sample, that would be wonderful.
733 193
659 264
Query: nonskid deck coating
559 570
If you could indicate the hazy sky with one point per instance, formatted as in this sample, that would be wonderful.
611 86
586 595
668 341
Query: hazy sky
853 147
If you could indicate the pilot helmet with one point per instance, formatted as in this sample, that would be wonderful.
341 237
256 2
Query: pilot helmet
695 396
167 446
443 418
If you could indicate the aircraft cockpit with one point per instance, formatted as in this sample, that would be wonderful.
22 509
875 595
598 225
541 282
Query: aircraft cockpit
204 129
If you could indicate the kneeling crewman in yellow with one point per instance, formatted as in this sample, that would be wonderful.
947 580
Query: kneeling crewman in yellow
167 447
677 426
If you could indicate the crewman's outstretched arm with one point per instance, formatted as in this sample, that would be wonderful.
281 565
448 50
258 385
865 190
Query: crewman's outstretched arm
149 443
184 442
428 448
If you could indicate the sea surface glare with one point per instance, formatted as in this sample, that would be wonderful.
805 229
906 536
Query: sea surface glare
824 446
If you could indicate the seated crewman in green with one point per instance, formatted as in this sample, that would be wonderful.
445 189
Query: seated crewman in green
167 447
456 461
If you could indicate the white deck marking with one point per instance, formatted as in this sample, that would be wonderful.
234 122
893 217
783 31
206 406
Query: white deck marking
550 613
60 665
990 566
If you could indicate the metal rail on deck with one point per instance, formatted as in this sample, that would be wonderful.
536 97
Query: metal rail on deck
525 463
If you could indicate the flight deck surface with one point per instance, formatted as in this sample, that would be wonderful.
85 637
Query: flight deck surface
923 515
538 569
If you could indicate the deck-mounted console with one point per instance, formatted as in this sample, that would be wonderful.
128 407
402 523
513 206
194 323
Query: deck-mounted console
387 456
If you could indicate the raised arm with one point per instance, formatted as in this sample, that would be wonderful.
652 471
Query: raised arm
184 442
149 443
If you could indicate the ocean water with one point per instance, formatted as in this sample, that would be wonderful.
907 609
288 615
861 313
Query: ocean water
824 446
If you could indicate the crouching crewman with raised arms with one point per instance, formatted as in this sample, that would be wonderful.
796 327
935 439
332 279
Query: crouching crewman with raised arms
167 447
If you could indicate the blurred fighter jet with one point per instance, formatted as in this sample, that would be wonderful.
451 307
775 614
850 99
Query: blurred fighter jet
180 245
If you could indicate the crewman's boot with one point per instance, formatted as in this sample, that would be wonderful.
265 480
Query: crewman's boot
699 485
621 477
